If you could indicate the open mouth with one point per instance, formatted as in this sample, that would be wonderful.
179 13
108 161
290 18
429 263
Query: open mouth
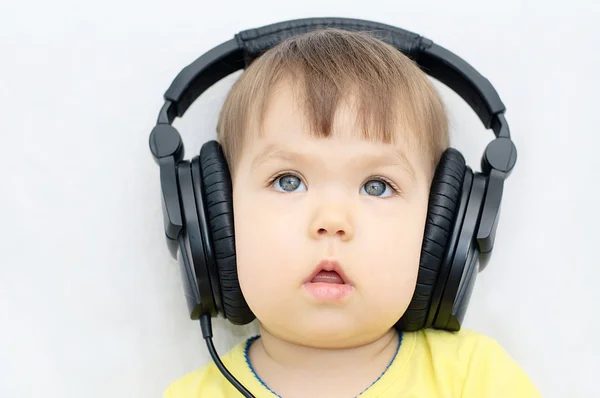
328 283
328 277
328 271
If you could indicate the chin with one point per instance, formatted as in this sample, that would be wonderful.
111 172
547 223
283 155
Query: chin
330 329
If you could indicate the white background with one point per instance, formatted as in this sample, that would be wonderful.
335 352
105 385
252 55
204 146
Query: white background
91 303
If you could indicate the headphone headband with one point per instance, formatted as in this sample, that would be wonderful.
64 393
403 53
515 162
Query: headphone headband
247 45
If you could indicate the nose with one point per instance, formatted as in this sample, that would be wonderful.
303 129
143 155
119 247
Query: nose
332 220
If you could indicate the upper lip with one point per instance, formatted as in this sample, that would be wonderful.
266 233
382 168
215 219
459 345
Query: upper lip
329 265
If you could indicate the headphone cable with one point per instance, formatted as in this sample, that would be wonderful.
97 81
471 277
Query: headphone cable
206 326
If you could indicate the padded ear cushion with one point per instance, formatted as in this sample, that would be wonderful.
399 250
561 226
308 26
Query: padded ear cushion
444 200
218 199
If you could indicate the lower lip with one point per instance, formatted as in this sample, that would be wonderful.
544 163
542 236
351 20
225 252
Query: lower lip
333 292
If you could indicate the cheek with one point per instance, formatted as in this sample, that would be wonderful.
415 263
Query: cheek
393 254
268 240
393 232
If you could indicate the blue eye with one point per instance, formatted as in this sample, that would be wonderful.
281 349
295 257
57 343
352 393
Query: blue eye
376 188
289 183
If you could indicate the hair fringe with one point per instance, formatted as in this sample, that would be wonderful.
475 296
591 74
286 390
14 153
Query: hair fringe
389 92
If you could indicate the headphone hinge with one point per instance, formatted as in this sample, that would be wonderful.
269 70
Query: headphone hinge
172 217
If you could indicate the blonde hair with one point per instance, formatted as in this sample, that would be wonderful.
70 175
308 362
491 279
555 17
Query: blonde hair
389 92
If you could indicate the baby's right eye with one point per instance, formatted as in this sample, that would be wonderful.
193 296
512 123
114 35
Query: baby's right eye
289 183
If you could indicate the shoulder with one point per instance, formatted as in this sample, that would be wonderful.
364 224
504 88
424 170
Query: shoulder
469 347
208 381
485 367
455 346
190 384
465 345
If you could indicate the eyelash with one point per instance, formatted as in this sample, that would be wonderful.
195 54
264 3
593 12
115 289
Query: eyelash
281 174
393 186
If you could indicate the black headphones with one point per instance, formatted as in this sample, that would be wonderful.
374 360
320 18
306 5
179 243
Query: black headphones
197 203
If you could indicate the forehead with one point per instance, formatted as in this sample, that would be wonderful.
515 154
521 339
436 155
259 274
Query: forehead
285 125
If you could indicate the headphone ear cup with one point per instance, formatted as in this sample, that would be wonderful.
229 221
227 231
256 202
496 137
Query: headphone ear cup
217 191
444 201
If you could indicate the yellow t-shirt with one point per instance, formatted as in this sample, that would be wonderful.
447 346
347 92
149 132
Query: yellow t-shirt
429 363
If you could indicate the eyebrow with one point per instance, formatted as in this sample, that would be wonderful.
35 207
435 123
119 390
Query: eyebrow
273 151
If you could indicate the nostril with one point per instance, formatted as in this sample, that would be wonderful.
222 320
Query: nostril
323 231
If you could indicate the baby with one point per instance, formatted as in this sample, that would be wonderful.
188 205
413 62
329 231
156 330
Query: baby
332 139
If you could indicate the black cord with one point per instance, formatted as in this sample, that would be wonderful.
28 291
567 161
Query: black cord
206 326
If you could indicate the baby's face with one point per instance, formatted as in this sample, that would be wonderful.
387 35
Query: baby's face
341 204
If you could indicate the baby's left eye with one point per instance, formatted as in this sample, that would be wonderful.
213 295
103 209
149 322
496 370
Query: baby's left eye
377 188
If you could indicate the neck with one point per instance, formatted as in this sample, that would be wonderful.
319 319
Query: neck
271 355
